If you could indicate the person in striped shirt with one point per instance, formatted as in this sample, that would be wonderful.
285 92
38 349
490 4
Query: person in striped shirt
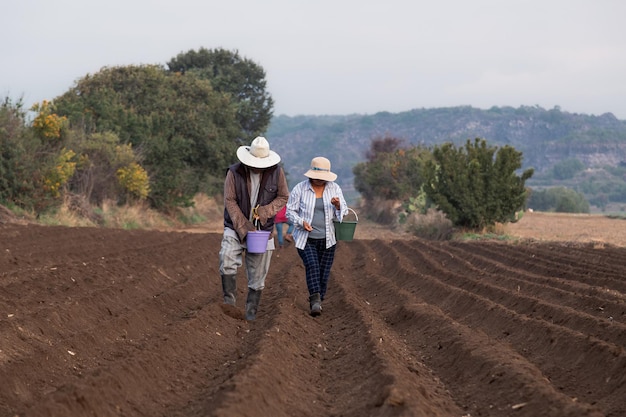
312 206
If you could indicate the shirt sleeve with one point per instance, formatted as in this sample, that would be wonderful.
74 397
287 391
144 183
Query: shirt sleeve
241 224
293 205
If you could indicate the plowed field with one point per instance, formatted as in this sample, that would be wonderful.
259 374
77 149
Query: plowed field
101 322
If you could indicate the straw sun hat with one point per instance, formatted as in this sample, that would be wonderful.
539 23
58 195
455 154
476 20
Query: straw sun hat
320 170
258 154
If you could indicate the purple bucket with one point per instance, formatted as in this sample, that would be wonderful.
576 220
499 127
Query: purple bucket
257 241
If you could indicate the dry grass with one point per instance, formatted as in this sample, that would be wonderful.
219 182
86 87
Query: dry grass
598 230
135 216
207 216
64 216
433 225
75 212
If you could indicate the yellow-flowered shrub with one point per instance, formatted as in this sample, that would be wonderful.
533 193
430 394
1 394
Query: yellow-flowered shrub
47 124
56 178
134 179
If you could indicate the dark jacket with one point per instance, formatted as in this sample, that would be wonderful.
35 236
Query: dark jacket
273 194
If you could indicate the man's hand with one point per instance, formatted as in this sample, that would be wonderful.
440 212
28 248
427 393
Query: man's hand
255 216
307 226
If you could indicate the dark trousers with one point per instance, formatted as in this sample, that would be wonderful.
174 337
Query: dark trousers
317 263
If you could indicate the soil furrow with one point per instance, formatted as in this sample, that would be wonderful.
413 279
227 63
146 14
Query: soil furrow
85 338
602 304
548 262
471 364
412 390
112 322
462 273
533 338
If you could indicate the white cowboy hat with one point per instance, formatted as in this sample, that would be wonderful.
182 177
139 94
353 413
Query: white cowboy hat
258 154
320 170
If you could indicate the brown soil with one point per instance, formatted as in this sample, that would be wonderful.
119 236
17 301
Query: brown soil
101 322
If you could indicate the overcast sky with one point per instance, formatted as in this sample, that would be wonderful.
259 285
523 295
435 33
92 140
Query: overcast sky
340 56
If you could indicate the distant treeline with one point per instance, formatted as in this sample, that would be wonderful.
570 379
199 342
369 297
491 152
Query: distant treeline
583 152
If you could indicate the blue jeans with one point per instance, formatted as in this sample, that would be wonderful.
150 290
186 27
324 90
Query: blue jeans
279 231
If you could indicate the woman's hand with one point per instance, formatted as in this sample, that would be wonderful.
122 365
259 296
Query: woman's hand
306 226
335 202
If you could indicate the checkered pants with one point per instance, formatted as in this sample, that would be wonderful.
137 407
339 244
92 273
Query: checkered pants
317 263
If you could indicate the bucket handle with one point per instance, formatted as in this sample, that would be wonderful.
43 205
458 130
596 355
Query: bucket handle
256 221
355 215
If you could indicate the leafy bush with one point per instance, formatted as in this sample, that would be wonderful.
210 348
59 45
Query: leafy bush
476 185
391 172
134 179
186 131
46 123
558 199
23 159
57 176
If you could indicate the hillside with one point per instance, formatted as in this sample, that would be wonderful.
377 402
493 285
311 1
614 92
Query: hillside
546 137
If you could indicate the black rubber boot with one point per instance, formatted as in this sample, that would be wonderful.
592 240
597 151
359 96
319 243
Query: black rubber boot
315 302
252 303
229 287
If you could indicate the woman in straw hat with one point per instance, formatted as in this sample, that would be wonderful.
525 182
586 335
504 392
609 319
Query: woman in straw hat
312 206
255 189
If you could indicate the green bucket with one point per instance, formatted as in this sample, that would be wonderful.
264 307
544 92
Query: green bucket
345 230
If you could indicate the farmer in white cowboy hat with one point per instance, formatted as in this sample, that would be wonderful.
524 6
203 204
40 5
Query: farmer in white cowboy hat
255 189
312 206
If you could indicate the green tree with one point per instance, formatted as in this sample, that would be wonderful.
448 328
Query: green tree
476 185
185 131
241 78
567 168
391 171
558 199
25 157
17 152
